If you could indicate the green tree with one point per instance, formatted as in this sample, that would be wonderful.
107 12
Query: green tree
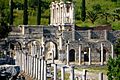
25 15
39 12
11 12
113 68
83 11
97 8
4 18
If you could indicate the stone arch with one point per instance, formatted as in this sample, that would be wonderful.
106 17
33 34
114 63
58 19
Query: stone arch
48 52
71 55
12 47
14 42
36 45
33 41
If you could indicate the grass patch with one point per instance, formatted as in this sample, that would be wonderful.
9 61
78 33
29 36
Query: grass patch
94 69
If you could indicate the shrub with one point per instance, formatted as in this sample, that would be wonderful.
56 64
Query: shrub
116 25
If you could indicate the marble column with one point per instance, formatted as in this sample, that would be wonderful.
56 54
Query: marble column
80 55
64 13
55 71
36 68
60 14
100 76
62 73
42 69
55 15
51 16
71 72
39 69
24 61
112 51
89 56
28 65
21 60
32 51
72 14
73 32
52 56
84 74
30 69
102 54
60 42
68 53
32 66
45 70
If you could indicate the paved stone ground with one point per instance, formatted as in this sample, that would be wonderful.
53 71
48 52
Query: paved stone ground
90 75
27 77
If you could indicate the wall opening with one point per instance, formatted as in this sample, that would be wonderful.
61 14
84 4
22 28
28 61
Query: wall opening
72 55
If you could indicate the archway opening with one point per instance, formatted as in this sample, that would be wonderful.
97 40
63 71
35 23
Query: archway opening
104 54
51 48
72 55
85 51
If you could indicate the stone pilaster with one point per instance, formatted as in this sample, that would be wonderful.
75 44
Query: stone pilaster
105 36
102 54
112 51
68 53
42 69
45 70
80 55
89 56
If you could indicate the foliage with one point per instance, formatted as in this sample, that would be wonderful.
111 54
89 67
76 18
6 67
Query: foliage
4 18
39 12
92 15
11 12
25 16
117 47
114 64
113 68
116 25
97 7
83 11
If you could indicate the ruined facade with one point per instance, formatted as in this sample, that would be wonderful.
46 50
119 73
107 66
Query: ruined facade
61 41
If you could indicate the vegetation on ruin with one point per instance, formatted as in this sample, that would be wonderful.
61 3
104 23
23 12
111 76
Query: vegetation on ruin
114 68
113 65
117 47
